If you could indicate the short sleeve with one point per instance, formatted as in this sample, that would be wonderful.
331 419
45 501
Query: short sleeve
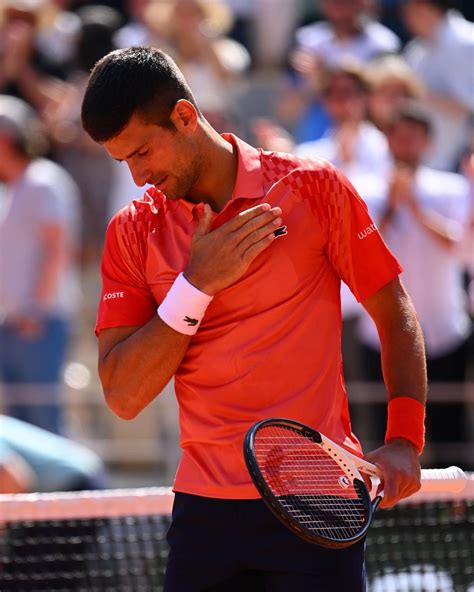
460 80
354 246
126 298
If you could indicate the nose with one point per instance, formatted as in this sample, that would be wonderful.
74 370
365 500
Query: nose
139 174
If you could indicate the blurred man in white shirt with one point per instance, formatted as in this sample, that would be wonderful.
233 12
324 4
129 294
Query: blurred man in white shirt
422 214
442 56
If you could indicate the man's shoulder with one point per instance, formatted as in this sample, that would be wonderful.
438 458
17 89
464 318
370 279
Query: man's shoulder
139 212
45 173
381 36
312 35
277 165
462 30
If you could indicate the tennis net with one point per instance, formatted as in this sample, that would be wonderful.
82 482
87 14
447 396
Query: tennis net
115 541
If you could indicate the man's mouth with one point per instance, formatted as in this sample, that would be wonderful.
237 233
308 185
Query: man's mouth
161 183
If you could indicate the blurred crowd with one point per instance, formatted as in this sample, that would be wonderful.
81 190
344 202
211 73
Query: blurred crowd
383 89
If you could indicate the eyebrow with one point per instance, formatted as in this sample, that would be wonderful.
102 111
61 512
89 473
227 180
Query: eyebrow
131 153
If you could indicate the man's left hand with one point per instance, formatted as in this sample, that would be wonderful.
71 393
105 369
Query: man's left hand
400 466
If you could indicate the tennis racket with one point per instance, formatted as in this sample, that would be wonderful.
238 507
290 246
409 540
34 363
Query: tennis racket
315 486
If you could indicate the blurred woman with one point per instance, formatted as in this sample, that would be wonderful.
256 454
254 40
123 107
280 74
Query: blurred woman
195 32
392 82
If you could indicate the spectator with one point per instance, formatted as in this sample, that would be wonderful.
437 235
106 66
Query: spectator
195 31
442 56
392 83
90 166
346 34
38 284
23 69
352 143
35 460
137 31
56 35
421 214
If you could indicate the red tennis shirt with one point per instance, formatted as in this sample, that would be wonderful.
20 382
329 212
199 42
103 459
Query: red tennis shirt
269 344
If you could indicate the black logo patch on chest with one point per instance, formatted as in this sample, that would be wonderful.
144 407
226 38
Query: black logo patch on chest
280 231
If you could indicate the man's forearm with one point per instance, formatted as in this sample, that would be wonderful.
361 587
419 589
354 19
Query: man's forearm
403 354
138 367
401 340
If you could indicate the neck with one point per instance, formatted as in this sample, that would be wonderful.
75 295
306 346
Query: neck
432 25
411 164
346 30
218 170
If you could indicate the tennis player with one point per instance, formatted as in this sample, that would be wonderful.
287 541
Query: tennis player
226 275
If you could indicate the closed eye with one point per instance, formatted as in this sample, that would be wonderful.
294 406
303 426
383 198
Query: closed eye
143 152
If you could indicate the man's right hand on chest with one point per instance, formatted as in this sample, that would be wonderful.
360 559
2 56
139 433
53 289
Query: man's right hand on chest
220 257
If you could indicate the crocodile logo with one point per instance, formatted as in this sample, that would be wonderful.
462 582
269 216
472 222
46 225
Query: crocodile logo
191 322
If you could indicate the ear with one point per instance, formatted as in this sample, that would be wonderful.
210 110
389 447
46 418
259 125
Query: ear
184 116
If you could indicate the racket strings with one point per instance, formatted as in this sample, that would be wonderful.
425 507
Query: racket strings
309 483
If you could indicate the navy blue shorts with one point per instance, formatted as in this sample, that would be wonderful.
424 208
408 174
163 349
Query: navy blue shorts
221 545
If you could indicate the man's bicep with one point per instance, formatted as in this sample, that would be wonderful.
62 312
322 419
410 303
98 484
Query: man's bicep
390 303
127 299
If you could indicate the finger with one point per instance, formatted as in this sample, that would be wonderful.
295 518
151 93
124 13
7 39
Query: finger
398 489
256 248
246 216
390 493
204 223
259 234
268 220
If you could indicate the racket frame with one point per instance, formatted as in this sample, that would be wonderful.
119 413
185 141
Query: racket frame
342 457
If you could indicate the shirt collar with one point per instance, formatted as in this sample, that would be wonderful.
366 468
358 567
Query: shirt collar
249 181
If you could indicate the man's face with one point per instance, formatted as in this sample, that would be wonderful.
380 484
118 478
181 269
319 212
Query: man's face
416 15
408 142
345 101
166 158
342 11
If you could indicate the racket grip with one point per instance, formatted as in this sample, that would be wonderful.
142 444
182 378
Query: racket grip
450 480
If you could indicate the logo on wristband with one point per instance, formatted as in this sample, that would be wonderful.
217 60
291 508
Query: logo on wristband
191 322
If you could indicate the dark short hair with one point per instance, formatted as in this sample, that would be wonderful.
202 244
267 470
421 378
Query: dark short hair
22 125
412 112
135 80
350 69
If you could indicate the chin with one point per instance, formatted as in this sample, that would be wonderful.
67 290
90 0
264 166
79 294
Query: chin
169 193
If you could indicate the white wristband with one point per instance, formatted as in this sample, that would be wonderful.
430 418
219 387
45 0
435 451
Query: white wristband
184 306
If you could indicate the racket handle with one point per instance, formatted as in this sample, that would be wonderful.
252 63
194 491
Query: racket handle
450 480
